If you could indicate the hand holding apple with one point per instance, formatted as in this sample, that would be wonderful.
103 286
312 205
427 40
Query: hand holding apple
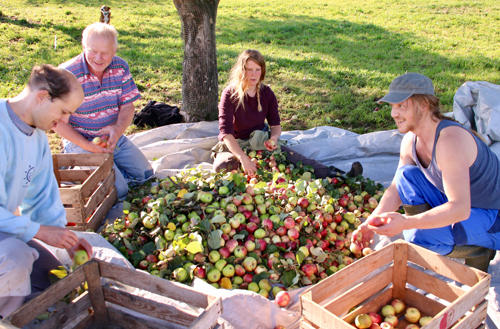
270 144
393 223
80 252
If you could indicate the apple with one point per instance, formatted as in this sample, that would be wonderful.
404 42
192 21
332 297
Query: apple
425 320
293 233
249 263
270 144
225 283
228 271
303 202
412 326
392 319
398 305
412 314
199 272
363 321
260 233
250 245
213 256
240 252
253 286
180 274
239 270
375 326
223 190
265 285
80 257
282 298
376 318
386 325
387 310
248 277
213 275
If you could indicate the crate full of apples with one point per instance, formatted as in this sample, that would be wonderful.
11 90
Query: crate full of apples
278 230
399 286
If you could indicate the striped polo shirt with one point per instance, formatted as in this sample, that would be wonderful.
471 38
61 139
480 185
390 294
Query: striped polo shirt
102 100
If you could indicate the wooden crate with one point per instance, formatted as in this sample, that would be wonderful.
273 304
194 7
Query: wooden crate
452 293
87 194
106 304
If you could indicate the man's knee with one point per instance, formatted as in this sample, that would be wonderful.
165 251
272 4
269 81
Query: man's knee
406 174
16 264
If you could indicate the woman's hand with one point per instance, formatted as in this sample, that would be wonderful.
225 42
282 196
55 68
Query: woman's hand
248 166
388 224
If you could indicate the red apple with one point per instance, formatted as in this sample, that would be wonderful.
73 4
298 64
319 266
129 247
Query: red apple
282 298
376 318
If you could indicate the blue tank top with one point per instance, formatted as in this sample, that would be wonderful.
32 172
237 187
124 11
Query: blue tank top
484 172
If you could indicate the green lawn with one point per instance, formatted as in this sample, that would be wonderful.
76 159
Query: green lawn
327 60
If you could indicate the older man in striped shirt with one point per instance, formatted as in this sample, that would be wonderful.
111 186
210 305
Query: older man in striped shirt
108 107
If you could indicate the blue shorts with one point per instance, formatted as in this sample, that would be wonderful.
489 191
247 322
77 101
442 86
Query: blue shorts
482 228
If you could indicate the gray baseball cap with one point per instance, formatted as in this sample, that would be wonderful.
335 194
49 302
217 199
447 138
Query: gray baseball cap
407 85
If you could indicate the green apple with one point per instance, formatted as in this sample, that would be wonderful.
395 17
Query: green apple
80 257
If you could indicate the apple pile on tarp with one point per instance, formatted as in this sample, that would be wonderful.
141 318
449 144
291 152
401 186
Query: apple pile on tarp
280 229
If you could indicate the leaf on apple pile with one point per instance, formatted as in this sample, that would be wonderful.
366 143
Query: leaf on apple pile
214 238
290 278
59 272
300 257
194 247
204 225
239 236
218 219
319 254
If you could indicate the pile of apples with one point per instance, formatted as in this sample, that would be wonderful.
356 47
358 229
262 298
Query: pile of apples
390 316
280 229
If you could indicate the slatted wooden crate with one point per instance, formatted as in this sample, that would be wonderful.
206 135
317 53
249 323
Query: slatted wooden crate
106 304
452 293
89 193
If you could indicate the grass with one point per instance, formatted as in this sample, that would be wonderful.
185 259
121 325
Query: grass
327 61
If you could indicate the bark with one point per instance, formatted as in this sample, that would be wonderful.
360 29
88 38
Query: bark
199 75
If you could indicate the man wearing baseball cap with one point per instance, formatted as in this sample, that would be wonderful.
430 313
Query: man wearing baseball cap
448 181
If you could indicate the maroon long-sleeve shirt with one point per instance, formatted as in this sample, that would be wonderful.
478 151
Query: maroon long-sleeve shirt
241 122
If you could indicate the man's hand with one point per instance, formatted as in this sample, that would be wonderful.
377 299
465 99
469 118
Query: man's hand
114 134
59 237
362 236
389 223
82 244
248 166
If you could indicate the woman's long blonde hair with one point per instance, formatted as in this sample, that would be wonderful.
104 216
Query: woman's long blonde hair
237 77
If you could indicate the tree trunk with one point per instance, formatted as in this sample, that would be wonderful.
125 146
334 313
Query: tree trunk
199 69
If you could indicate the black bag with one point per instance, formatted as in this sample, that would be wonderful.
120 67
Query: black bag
157 114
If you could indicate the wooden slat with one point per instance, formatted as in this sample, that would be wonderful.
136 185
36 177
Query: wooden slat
76 176
96 295
382 298
466 302
99 194
306 325
68 313
400 268
71 196
474 319
149 307
97 218
75 215
91 183
154 284
347 300
321 317
437 287
444 265
344 279
26 313
124 320
208 316
423 303
81 159
55 167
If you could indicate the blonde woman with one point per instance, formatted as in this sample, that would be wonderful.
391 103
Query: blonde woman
245 105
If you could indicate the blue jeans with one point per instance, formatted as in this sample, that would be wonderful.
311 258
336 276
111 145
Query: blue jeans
480 229
131 166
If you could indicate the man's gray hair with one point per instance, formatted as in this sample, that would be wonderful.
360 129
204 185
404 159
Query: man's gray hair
100 29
